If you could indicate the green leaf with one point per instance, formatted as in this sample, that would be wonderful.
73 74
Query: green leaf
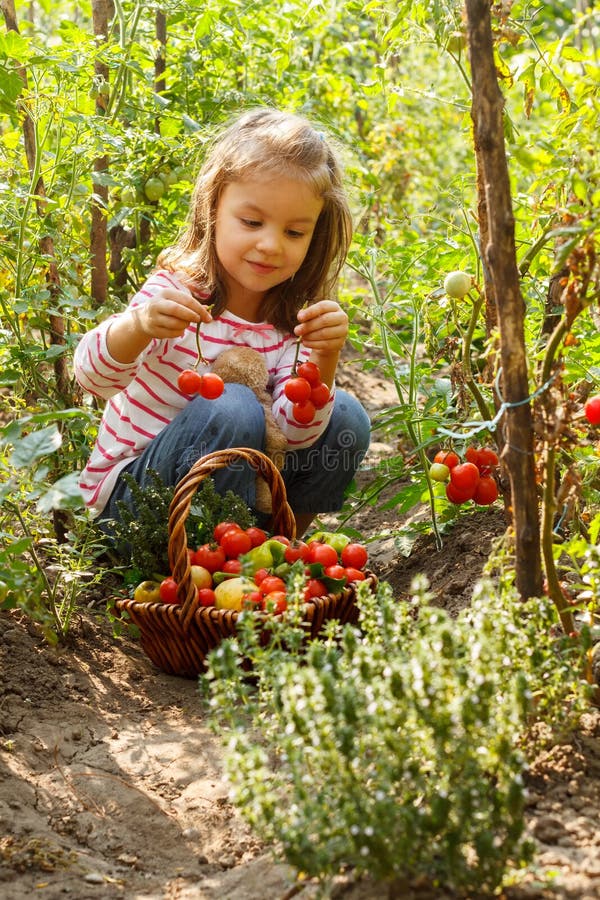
63 494
35 445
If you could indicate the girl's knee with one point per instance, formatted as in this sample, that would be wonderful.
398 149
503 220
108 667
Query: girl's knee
350 424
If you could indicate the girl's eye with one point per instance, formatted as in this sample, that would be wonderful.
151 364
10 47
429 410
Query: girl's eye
251 223
295 234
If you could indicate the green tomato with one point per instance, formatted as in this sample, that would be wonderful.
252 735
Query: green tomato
3 591
457 284
128 196
335 539
154 188
439 472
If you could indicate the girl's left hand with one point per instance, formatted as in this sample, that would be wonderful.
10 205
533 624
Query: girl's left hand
323 327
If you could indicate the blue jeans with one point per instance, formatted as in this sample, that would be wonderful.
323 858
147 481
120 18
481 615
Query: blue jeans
315 477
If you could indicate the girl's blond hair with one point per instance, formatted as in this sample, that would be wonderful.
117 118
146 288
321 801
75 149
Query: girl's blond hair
280 144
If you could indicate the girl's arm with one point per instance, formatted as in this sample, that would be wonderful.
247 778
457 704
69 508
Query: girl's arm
164 315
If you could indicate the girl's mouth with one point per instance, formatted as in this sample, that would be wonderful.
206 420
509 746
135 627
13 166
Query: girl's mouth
261 268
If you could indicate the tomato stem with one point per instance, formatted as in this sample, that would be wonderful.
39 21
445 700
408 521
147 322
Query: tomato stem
296 357
200 356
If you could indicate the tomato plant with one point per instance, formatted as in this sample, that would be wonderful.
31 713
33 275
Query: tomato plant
592 410
464 478
486 491
447 458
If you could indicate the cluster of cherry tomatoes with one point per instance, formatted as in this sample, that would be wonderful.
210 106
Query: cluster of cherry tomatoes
245 567
209 385
472 479
306 391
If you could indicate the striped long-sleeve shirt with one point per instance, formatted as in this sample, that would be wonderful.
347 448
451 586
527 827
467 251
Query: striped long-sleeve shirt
142 397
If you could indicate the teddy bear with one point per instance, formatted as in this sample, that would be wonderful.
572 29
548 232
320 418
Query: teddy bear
243 365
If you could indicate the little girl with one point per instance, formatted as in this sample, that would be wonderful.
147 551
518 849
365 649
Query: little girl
267 235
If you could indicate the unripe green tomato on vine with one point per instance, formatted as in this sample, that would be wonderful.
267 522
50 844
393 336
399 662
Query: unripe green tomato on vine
439 472
154 188
457 284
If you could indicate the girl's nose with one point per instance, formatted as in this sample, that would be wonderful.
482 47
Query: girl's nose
268 241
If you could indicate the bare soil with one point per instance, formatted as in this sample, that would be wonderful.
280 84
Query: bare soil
112 786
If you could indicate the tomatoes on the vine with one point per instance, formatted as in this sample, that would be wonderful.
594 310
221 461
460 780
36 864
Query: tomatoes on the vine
464 478
212 386
310 371
447 458
486 491
319 395
189 381
297 389
304 412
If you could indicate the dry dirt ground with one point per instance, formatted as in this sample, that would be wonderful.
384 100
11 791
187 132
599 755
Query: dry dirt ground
111 784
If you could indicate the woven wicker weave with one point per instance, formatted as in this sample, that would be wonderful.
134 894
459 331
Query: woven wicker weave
177 637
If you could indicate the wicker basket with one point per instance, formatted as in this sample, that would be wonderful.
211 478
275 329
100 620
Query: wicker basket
177 637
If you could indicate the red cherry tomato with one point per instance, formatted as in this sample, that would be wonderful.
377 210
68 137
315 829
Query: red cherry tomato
314 588
488 460
464 478
272 583
472 455
297 390
447 457
319 395
221 528
210 556
303 412
282 539
235 542
354 575
592 410
232 566
206 596
168 591
297 550
322 553
256 535
338 572
486 491
254 599
310 371
260 575
275 602
212 386
455 496
354 555
189 381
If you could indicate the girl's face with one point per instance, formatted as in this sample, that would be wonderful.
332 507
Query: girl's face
263 231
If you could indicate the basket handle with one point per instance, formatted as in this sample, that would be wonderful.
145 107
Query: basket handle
282 521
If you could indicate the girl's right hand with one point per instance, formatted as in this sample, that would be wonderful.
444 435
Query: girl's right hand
168 313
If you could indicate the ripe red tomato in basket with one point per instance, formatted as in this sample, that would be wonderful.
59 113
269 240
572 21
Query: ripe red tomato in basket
297 550
275 602
221 527
322 553
206 596
168 591
235 542
354 574
256 535
314 588
354 555
210 556
272 583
